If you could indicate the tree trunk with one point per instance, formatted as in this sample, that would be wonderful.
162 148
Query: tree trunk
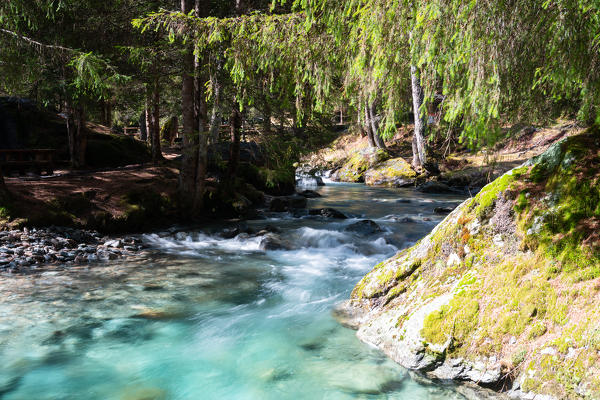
72 137
189 150
235 122
369 127
77 137
267 115
361 127
155 138
215 116
419 157
143 126
81 137
4 194
149 125
379 142
202 120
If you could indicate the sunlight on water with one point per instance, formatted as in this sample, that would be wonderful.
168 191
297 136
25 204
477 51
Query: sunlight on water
202 317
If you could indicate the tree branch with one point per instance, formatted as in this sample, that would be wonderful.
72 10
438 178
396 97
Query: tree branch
36 43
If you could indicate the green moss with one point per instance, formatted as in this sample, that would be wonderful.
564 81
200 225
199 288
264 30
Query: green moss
458 320
558 223
484 201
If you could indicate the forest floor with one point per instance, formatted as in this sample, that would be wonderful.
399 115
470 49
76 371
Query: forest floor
80 196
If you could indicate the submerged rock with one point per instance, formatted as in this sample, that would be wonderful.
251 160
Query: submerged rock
364 227
507 274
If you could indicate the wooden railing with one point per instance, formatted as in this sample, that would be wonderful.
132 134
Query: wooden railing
27 160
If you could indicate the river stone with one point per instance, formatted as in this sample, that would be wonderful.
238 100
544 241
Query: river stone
309 194
436 188
286 203
273 242
364 227
327 213
443 210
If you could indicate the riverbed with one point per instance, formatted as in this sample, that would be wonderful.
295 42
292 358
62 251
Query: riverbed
200 316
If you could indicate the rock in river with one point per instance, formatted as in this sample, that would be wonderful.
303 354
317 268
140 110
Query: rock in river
327 213
364 227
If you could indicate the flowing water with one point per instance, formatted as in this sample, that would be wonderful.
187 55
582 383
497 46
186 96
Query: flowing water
202 317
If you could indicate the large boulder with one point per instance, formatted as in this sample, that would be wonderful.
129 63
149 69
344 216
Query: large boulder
395 172
505 291
355 167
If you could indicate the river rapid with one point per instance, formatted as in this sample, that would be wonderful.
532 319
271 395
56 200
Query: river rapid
199 316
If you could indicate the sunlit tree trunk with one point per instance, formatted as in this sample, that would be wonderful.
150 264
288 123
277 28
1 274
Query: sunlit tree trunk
419 157
215 116
235 124
379 142
369 127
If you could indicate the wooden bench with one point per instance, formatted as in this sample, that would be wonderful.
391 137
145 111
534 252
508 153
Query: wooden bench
131 131
23 161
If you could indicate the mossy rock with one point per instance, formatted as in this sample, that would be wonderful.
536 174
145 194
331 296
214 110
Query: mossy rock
394 173
355 167
506 286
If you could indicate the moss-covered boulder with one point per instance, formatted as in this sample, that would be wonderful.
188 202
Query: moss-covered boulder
505 291
395 173
355 167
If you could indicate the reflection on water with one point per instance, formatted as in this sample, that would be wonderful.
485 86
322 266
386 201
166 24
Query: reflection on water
201 317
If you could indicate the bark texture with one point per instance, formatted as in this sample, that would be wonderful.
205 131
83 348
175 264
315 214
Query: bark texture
419 157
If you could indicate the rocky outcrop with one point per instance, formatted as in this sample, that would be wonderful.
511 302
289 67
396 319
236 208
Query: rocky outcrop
505 292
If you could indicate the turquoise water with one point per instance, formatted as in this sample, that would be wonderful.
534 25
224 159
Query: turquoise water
201 317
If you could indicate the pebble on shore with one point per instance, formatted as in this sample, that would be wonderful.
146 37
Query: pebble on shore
30 248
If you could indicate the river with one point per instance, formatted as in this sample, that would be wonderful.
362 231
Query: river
203 317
